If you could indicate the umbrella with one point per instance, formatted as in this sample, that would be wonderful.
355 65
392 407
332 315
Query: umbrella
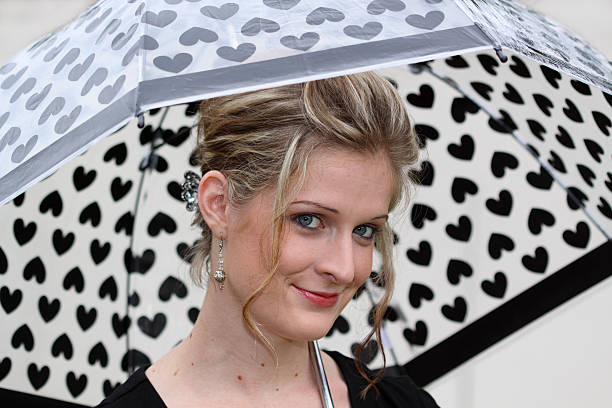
153 331
459 266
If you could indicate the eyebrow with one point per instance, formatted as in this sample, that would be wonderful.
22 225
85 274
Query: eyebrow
333 210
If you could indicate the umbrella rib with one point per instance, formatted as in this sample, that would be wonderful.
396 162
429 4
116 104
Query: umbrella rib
134 266
141 60
450 82
145 164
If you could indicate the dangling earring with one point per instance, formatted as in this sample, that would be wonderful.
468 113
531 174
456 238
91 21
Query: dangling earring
219 275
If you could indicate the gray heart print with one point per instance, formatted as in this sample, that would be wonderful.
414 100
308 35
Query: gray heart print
23 89
95 79
367 32
96 22
160 20
320 14
239 54
10 137
53 52
43 45
109 29
380 6
305 42
145 42
55 107
79 69
35 100
255 25
109 92
195 34
22 151
64 123
6 68
281 4
123 38
4 118
220 13
86 16
430 21
67 59
13 78
175 65
93 11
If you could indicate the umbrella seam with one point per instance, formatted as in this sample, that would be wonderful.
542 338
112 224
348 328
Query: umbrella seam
487 33
141 59
135 259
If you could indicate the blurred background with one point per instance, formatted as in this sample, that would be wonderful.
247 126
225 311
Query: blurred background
555 375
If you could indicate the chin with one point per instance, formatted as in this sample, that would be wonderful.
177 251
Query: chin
306 329
294 319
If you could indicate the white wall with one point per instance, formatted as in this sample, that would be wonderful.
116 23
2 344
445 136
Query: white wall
24 21
563 359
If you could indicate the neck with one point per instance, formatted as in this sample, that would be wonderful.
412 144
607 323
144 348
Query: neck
221 345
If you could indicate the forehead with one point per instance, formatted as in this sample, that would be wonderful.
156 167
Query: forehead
343 177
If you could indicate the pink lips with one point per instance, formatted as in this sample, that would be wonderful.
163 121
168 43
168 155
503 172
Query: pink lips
318 298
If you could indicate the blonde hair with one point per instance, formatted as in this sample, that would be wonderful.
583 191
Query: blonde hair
264 139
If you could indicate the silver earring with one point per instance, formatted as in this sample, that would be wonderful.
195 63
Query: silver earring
189 190
219 275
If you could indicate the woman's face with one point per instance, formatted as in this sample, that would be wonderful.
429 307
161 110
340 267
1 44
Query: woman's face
327 245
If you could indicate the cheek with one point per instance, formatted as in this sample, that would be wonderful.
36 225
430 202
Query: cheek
363 266
297 254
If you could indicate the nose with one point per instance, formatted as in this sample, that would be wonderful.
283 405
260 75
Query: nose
337 259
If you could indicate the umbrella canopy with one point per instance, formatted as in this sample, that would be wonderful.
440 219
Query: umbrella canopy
487 228
121 58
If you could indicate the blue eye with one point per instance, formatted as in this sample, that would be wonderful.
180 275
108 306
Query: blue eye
308 221
365 231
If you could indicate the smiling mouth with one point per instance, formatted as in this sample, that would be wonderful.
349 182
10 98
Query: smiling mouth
324 299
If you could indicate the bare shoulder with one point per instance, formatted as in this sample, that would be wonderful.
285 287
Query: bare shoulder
156 374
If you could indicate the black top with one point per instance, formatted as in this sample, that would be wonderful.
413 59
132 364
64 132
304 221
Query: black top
395 391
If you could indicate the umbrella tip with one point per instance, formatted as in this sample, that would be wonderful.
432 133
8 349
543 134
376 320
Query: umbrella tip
500 54
141 122
417 68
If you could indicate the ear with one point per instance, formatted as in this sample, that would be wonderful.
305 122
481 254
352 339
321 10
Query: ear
213 200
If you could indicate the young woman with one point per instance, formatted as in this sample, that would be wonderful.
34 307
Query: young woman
296 188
